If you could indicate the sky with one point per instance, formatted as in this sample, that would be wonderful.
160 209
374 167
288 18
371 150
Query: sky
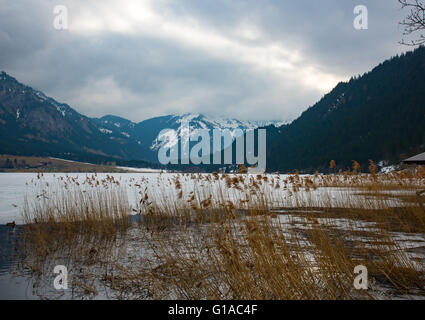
245 59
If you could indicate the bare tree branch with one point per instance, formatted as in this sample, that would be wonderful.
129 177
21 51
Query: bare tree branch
415 21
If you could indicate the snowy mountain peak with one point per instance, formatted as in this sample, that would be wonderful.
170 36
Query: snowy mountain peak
147 133
214 122
193 121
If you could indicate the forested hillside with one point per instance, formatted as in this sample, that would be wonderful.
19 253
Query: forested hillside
378 116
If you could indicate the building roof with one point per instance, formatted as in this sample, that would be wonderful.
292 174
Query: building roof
420 158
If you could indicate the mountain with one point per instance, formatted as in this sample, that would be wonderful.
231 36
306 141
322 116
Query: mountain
146 133
378 116
33 124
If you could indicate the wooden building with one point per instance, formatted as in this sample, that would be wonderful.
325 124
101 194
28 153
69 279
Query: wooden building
418 159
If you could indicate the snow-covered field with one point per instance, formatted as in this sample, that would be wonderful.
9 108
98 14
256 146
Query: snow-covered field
14 187
287 199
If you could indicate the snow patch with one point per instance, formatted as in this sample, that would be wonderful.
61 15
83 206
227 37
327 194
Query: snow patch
166 139
388 169
40 95
106 131
61 110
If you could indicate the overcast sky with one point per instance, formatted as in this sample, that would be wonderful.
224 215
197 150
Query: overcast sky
248 59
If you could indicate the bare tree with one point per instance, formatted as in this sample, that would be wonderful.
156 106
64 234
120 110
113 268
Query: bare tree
415 21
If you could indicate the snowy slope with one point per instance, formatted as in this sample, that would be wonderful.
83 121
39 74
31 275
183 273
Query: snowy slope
147 133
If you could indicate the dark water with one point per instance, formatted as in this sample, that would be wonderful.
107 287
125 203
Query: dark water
13 286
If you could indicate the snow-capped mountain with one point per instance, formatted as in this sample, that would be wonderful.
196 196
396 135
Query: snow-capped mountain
35 124
185 125
147 133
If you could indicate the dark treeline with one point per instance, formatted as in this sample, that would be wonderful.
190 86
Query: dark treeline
378 116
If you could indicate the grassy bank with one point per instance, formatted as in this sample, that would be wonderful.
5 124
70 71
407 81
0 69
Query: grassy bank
13 163
231 236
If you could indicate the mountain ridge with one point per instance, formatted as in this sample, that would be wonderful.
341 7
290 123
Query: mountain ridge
36 124
379 116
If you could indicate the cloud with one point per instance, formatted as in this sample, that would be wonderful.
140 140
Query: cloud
239 58
111 16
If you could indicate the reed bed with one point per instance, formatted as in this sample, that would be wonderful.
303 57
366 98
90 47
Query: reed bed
231 236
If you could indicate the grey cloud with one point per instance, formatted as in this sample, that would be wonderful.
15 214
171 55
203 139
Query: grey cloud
139 75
